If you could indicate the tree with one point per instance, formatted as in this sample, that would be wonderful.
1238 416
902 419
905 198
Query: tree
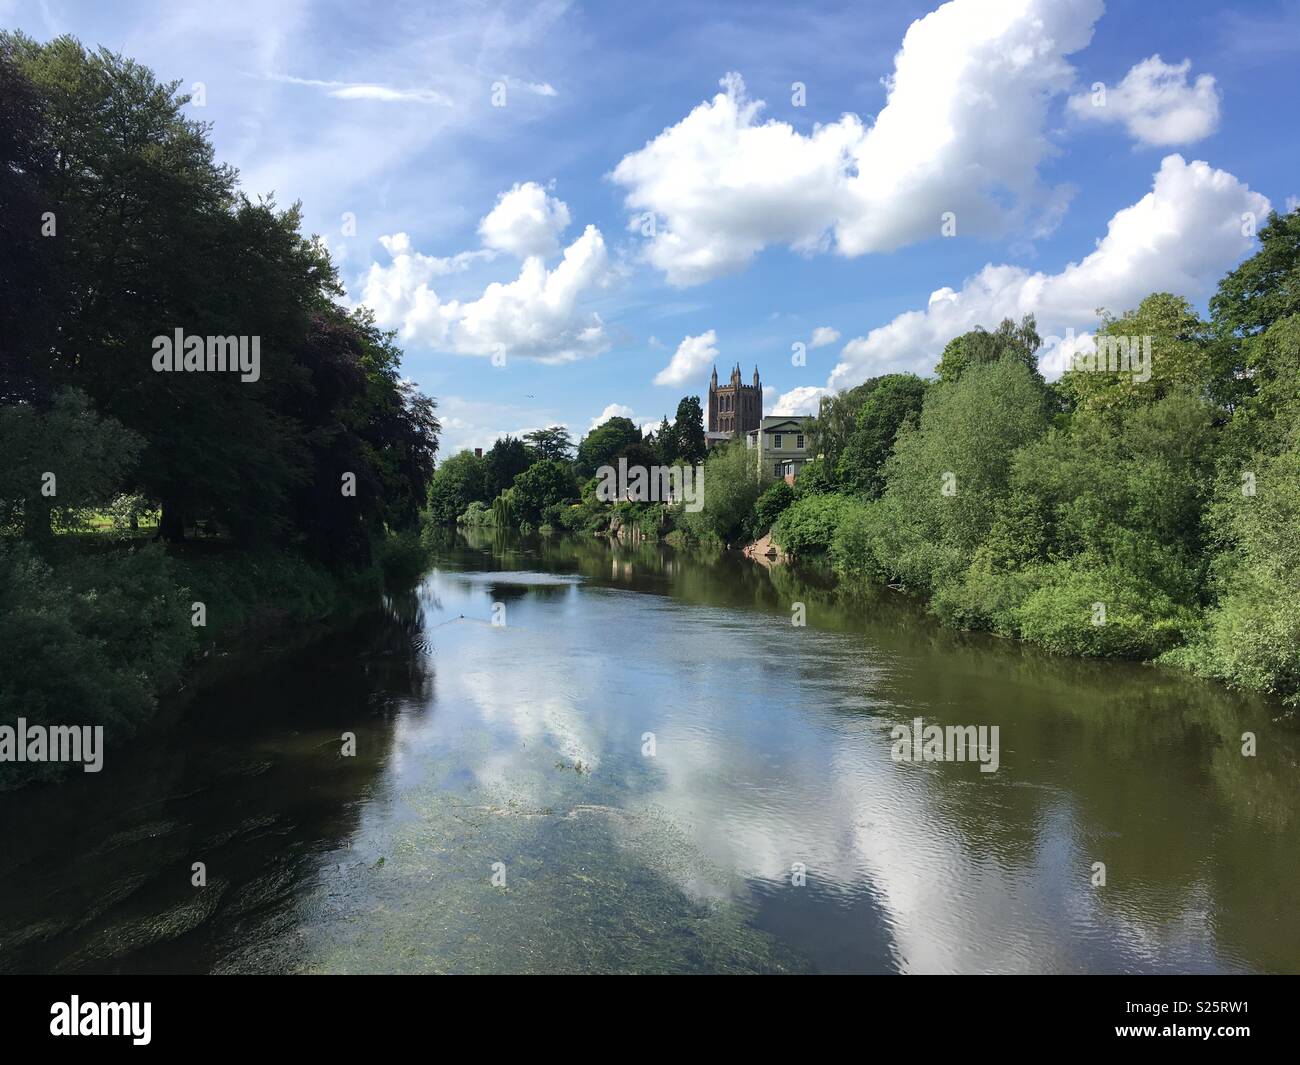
30 289
664 444
506 459
602 445
892 401
946 475
457 483
1164 327
688 431
769 506
979 347
730 486
550 443
835 423
59 461
543 483
152 239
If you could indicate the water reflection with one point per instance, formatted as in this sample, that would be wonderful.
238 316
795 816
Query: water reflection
650 749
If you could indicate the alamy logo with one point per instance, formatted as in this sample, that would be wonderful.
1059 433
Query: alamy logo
53 743
190 354
102 1018
658 484
955 743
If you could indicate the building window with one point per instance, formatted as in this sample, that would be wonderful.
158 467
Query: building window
776 469
798 441
776 441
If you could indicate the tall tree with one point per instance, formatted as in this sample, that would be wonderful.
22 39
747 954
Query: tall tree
688 431
980 347
604 443
506 459
551 443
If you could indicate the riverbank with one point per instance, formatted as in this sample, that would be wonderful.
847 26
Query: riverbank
98 631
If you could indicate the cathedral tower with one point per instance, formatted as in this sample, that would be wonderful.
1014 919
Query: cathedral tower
735 408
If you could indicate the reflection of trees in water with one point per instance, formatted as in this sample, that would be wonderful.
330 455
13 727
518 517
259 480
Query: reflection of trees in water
1142 765
95 872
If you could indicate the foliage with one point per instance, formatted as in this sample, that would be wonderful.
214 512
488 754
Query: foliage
687 433
979 347
457 482
551 443
769 506
807 527
605 443
544 483
476 514
893 400
731 487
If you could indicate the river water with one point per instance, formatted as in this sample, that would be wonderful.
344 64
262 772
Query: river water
573 757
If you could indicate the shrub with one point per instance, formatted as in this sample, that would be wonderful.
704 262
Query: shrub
771 504
1140 621
807 527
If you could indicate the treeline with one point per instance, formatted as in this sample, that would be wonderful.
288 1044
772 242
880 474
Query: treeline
119 227
543 481
1148 513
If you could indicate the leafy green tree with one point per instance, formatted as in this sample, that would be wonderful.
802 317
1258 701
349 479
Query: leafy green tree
551 443
688 431
544 483
1180 356
893 400
59 462
665 444
731 487
30 288
605 443
1251 636
769 506
807 527
836 422
980 347
457 483
946 475
505 460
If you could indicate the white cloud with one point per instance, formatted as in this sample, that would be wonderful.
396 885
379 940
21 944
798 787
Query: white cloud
1180 237
525 221
614 410
536 316
351 90
1156 103
693 354
802 400
962 131
470 423
823 335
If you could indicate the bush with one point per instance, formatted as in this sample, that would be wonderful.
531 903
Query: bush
807 527
1140 621
402 557
92 643
770 506
477 513
851 553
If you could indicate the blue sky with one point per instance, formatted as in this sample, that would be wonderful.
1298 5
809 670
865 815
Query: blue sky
567 209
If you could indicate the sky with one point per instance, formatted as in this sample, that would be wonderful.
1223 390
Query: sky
570 211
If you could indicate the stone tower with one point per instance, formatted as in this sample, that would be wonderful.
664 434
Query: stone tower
735 408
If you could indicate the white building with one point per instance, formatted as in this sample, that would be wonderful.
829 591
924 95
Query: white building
781 446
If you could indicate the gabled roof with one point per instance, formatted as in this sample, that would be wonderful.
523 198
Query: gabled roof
780 425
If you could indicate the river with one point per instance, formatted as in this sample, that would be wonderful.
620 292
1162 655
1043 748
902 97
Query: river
577 757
